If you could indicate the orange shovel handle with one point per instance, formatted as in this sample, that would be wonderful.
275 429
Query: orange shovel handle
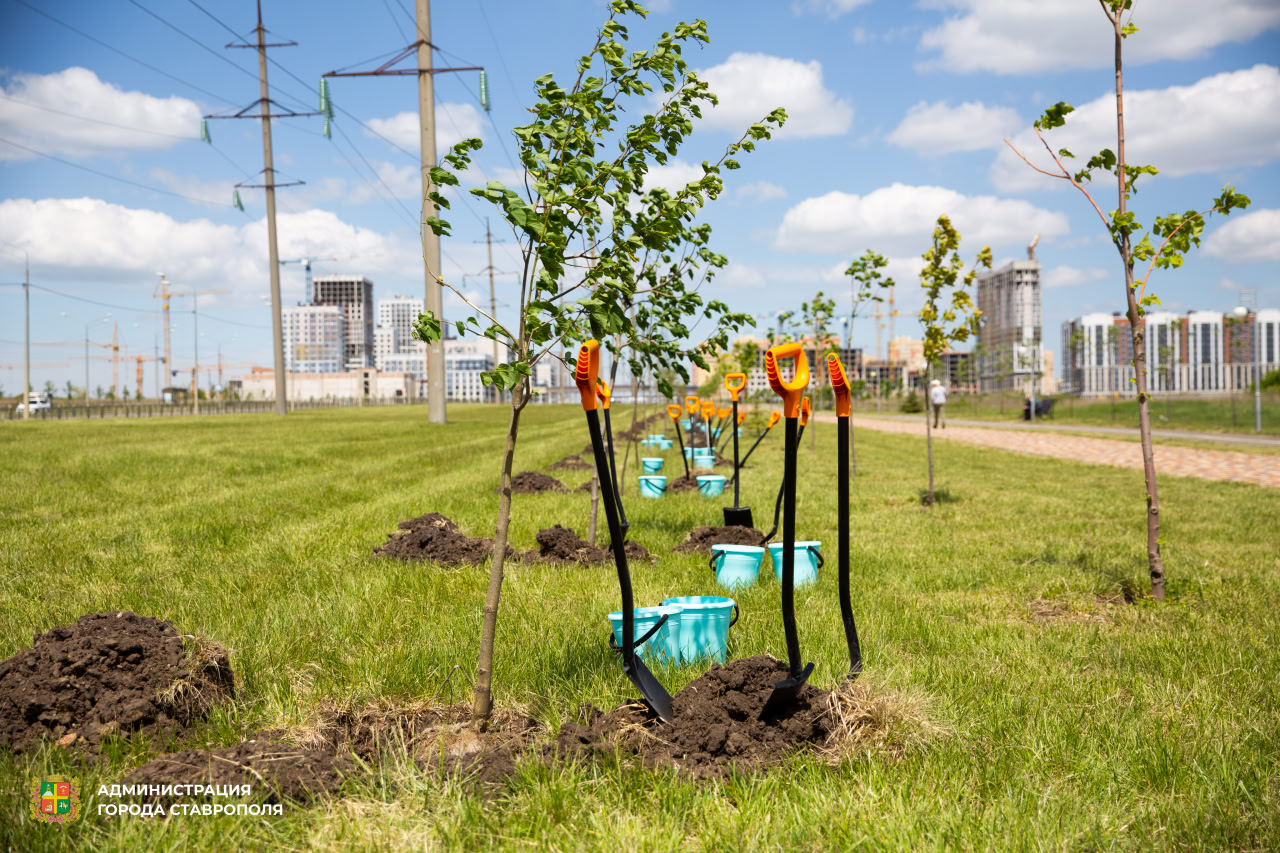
792 391
774 417
587 372
673 412
734 383
603 393
804 410
691 403
839 384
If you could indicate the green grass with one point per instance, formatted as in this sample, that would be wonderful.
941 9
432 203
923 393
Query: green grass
1191 414
1072 722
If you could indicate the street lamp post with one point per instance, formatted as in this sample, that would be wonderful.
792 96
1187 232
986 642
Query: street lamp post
1242 314
26 341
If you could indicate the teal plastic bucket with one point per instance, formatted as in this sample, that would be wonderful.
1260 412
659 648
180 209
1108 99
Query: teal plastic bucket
662 646
736 566
652 486
652 464
704 626
705 462
808 561
666 444
686 424
711 485
656 436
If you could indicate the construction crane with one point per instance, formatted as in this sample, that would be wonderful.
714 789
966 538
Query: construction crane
139 359
306 269
114 358
164 294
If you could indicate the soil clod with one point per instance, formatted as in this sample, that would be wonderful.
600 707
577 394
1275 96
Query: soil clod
570 463
109 672
436 538
533 482
701 539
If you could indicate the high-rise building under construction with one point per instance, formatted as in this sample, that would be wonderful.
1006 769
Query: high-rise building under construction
354 295
1009 344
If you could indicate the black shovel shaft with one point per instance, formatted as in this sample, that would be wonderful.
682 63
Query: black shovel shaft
613 469
842 509
683 458
751 450
733 428
619 547
777 504
789 548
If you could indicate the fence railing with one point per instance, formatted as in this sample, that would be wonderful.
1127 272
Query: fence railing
146 409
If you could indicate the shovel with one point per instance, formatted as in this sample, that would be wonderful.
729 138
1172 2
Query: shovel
785 691
673 411
708 412
653 693
604 394
777 505
737 423
736 516
774 417
840 385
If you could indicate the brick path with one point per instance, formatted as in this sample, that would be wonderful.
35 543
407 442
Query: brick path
1258 469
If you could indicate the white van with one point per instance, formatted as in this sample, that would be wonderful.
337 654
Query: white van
39 401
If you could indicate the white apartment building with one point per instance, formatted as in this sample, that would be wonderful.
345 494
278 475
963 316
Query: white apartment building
354 295
386 342
1009 339
314 338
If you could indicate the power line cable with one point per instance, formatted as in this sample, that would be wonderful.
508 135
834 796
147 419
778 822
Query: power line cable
194 40
219 98
136 310
392 15
113 177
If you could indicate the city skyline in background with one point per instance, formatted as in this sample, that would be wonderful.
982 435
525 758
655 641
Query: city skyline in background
858 166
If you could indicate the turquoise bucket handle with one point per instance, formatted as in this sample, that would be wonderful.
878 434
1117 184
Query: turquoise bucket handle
613 644
817 555
736 613
716 555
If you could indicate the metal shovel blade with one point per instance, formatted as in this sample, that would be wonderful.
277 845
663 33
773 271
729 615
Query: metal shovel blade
784 693
651 690
738 516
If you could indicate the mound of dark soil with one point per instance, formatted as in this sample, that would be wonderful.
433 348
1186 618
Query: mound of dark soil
682 484
716 724
701 539
434 537
570 463
533 482
562 545
273 771
109 672
585 487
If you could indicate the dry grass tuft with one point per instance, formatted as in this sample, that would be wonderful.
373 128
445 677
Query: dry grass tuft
866 719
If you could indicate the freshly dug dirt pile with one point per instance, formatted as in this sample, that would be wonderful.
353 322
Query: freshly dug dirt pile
716 724
682 484
562 545
274 771
533 482
434 537
585 487
701 539
570 463
109 672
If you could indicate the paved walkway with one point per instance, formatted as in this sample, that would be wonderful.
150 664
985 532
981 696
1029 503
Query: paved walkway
1258 469
1215 437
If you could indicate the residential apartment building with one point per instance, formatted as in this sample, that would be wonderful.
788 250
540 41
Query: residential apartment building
314 339
1009 338
1201 352
354 295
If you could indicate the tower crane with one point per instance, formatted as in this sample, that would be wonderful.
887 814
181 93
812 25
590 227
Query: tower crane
306 269
114 358
164 294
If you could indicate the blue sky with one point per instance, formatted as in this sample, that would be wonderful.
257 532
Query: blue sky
897 115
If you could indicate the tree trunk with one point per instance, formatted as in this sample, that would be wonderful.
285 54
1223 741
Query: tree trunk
1137 325
482 707
928 437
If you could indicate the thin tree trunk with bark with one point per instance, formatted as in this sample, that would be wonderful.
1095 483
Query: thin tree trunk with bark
928 437
482 706
1137 326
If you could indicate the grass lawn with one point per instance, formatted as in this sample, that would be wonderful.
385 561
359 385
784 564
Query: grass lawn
1069 719
1193 415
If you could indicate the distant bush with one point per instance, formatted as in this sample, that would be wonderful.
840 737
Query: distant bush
1271 381
911 404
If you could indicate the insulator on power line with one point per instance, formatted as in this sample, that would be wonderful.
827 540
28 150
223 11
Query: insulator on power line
329 107
484 91
327 133
204 131
235 200
324 95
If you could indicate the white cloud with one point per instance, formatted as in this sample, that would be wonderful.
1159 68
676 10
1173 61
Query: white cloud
1225 121
1066 276
454 123
117 243
1247 238
404 181
737 275
149 122
1056 35
760 191
673 175
751 85
830 8
939 128
899 219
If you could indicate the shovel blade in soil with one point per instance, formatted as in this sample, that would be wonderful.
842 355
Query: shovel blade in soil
784 694
651 690
738 516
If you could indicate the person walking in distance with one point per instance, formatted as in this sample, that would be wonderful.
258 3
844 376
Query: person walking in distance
938 399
